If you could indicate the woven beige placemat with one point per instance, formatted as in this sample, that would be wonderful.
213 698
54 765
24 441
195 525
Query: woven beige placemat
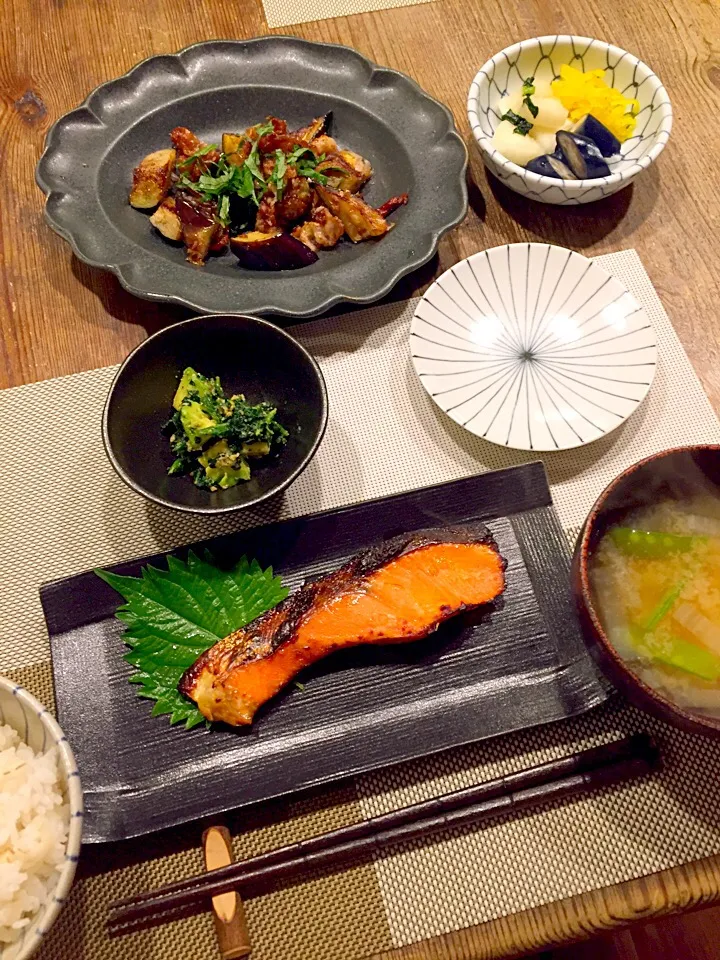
62 510
285 13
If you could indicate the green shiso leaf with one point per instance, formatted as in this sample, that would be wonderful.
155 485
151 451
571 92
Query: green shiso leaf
172 616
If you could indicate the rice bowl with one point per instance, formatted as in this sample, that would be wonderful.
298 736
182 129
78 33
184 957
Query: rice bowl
41 825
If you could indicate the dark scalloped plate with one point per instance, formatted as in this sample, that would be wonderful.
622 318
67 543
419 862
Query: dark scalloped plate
410 138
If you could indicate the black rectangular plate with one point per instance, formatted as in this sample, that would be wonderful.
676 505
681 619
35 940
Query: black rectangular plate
521 663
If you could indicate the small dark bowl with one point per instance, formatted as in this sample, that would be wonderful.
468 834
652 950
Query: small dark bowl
250 356
687 469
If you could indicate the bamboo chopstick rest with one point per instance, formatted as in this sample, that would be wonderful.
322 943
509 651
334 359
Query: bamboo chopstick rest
228 911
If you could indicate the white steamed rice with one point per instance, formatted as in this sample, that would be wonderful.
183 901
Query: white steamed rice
34 819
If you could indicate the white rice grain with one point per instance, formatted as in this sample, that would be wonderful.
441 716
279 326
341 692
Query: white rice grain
34 819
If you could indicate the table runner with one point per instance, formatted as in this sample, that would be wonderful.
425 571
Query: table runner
286 13
63 510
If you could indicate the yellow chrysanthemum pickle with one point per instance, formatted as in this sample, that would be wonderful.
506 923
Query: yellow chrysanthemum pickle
588 93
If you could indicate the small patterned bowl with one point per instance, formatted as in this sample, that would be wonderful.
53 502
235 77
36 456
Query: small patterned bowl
542 57
39 730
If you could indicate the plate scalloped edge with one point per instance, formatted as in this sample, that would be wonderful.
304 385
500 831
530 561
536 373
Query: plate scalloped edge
68 197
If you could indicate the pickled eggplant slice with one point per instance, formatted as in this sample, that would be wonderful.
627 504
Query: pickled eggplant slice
271 251
606 141
581 155
549 165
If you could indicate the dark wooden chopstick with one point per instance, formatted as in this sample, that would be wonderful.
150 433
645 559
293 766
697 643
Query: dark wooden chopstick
558 779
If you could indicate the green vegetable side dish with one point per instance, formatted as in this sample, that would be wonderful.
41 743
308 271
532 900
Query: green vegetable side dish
172 616
214 437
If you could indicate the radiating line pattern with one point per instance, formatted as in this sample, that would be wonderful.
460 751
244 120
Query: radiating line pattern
534 347
542 57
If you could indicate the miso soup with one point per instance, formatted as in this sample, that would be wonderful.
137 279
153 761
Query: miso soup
656 587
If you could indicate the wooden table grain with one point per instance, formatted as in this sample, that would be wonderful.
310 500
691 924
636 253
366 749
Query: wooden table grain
58 316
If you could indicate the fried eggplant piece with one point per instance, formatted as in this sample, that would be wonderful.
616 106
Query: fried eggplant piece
345 170
359 219
199 226
151 179
271 251
231 142
197 242
361 171
319 125
220 239
236 148
238 158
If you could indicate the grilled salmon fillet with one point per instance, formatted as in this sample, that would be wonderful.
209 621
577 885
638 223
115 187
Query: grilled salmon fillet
398 591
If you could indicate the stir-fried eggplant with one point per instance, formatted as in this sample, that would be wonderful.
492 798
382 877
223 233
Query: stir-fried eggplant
151 179
281 195
271 251
319 125
359 219
199 226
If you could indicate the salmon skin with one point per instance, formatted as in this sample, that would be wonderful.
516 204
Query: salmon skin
395 592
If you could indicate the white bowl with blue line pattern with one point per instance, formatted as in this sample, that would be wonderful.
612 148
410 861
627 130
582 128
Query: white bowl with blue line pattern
542 57
37 727
533 347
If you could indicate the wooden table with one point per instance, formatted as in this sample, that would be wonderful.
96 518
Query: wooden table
59 316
